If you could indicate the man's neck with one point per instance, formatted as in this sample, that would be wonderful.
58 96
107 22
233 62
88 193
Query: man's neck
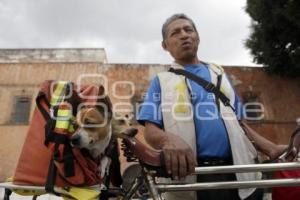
193 61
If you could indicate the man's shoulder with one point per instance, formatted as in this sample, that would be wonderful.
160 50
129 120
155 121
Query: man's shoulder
164 74
216 68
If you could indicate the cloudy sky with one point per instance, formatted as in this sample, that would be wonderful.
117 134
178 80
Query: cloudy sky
129 30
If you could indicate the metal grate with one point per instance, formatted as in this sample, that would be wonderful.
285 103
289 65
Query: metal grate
21 110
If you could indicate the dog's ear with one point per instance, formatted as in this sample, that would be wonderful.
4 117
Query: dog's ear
104 99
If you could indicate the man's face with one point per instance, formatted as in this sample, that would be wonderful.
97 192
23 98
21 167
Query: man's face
181 40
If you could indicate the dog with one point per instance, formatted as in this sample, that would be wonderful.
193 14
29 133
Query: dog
122 126
94 130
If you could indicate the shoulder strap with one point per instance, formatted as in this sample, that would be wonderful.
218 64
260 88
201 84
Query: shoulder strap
209 87
219 81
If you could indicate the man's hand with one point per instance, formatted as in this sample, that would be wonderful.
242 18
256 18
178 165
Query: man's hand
276 151
179 157
280 152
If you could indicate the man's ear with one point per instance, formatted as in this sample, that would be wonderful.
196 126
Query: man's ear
198 39
164 46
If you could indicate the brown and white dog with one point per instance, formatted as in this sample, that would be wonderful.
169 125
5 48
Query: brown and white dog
122 125
93 132
95 128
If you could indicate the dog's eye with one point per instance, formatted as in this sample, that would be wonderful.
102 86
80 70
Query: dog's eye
122 121
91 128
88 122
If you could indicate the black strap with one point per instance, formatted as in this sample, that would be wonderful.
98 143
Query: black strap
42 97
57 138
209 87
50 125
52 171
68 158
219 81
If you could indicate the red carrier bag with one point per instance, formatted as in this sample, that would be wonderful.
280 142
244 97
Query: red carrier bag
47 158
286 193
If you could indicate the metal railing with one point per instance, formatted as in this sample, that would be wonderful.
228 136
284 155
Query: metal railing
236 184
247 168
157 188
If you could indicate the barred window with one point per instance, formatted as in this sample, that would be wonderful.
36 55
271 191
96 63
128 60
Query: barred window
21 110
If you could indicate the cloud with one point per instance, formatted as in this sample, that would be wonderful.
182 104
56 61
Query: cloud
130 31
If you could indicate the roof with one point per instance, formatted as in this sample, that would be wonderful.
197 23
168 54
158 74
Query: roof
53 55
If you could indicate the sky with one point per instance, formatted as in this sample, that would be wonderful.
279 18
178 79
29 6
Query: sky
128 30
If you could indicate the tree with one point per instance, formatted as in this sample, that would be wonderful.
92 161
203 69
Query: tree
275 35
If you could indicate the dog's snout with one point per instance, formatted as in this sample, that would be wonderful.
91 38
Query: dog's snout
75 140
132 132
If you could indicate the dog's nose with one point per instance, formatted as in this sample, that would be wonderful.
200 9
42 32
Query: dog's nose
75 141
131 132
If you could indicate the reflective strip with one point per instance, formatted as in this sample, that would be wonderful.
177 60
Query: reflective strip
62 124
63 118
58 93
181 104
64 113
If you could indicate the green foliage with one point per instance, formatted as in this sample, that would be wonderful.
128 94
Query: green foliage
275 38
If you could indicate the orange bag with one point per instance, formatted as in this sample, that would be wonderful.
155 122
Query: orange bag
47 158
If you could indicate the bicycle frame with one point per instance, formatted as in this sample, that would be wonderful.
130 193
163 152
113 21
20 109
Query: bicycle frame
148 177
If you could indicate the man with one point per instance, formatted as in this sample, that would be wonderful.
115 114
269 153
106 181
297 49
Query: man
188 123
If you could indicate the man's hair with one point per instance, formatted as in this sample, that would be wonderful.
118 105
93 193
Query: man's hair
173 18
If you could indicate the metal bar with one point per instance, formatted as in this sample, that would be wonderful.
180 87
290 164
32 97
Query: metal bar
247 168
138 182
152 187
229 185
9 185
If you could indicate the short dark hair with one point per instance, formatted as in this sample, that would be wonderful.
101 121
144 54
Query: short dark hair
173 18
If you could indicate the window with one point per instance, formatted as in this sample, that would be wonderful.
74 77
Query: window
21 110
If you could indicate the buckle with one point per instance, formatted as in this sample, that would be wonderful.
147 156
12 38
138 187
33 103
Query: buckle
213 162
210 87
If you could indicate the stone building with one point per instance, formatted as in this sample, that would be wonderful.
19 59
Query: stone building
21 71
